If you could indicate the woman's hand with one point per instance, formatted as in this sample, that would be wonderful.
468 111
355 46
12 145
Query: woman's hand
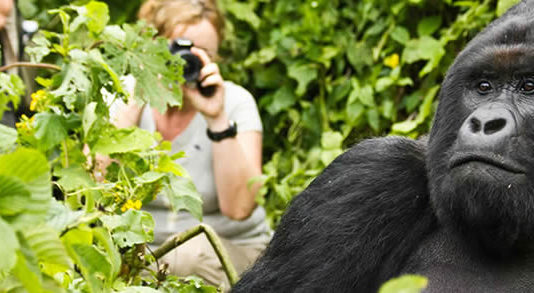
212 108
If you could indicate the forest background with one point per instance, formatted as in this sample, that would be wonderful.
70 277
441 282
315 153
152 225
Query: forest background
325 73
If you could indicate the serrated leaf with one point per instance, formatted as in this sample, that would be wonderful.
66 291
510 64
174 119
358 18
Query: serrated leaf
50 129
123 140
130 228
60 217
183 195
74 177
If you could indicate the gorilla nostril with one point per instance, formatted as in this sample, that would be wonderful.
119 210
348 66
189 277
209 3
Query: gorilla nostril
494 126
475 125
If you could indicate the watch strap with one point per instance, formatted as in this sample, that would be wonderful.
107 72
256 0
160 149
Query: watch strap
231 131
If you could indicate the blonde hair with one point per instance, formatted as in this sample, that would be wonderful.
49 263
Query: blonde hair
165 15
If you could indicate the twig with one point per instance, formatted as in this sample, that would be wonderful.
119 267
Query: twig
29 64
215 242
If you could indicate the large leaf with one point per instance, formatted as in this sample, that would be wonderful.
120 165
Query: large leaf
31 168
14 196
124 140
44 242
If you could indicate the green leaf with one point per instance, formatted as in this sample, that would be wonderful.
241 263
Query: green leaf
95 15
27 273
265 55
11 88
89 117
405 284
113 255
94 265
373 118
331 140
74 177
31 168
130 228
183 195
354 112
8 137
282 99
44 242
360 55
14 196
149 177
39 48
400 34
404 126
504 5
10 245
139 289
123 140
244 11
425 48
50 129
428 25
303 74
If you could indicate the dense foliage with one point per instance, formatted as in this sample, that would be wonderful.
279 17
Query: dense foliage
328 73
91 235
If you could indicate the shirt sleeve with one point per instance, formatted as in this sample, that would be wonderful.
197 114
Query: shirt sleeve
241 108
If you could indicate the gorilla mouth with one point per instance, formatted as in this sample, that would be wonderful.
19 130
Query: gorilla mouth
494 160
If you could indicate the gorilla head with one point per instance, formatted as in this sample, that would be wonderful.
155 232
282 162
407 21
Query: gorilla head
481 148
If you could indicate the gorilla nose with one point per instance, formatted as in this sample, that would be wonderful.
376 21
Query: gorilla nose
487 127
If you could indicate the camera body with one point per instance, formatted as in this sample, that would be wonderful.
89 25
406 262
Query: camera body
192 66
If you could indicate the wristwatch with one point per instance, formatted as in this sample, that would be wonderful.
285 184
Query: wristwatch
231 131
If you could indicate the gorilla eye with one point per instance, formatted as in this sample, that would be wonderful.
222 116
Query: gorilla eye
528 86
484 87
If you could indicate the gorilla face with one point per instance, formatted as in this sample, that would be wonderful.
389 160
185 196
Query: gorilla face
481 148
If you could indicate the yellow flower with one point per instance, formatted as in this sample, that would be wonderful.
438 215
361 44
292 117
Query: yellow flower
392 60
37 98
130 204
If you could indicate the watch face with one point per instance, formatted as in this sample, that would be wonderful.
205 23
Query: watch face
231 131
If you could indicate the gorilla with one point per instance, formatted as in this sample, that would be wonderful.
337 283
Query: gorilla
457 209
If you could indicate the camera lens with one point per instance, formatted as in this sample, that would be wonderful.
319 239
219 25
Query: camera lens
193 64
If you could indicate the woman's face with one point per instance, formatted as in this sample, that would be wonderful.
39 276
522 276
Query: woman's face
202 34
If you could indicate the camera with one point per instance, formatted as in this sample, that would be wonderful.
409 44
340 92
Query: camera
192 66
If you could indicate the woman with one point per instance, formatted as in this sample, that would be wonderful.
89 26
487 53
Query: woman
221 169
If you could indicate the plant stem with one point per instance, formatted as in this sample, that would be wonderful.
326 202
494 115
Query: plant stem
29 64
215 242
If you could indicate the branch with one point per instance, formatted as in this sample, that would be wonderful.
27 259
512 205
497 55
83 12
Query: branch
29 64
214 240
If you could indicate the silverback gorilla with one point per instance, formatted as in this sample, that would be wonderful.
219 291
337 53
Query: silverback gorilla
458 209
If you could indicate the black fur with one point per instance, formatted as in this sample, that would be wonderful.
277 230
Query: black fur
459 211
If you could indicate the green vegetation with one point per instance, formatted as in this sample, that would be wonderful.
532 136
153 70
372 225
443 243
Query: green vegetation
91 236
328 73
